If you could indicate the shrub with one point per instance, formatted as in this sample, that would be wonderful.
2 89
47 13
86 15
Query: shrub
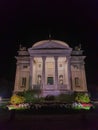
28 95
82 98
16 99
49 98
65 98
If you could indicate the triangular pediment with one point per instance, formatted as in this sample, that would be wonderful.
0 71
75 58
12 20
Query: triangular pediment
50 44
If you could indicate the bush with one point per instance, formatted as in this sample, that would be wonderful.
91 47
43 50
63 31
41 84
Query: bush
16 99
28 95
31 96
65 98
50 98
82 98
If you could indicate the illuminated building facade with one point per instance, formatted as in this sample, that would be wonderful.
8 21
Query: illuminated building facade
52 67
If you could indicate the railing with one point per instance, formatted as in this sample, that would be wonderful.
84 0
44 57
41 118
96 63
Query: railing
62 86
4 101
50 87
37 86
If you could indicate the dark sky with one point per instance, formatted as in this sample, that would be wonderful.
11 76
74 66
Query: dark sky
74 22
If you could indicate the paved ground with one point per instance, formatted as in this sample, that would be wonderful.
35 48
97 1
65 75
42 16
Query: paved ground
80 121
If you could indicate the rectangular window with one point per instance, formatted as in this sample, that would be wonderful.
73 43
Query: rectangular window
77 82
50 80
24 81
25 66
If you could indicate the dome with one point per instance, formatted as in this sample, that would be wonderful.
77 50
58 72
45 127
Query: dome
46 44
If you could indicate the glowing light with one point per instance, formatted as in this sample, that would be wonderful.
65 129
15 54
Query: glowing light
0 98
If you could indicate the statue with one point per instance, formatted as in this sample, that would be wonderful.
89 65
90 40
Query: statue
78 48
22 48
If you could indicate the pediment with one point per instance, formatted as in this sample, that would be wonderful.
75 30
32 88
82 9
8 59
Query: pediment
50 44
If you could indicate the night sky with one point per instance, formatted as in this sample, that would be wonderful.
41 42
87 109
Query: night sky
74 22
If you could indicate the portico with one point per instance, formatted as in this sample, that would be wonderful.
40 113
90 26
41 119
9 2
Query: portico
49 73
49 67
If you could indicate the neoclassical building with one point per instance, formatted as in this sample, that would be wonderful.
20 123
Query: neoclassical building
51 66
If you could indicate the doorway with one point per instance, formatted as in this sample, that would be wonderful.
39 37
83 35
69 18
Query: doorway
50 80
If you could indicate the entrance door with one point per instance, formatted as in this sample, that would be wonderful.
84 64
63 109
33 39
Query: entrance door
50 80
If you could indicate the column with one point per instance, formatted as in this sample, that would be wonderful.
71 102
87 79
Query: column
43 72
69 73
31 72
56 71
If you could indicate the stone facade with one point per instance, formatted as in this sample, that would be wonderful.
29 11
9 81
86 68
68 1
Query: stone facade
51 66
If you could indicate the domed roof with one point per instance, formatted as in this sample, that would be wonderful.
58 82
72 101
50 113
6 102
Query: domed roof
46 44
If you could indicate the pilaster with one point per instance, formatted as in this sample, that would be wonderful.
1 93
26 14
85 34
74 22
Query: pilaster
43 71
56 71
16 88
31 71
84 78
69 72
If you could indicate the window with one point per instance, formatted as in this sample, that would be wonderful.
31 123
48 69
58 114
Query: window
24 81
50 80
77 82
25 66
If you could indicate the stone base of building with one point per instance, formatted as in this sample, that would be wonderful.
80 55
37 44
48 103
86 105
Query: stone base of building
56 92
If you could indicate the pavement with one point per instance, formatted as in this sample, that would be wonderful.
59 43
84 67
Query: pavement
79 121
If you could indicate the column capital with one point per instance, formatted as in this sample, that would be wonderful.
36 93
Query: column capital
43 58
68 57
31 58
56 57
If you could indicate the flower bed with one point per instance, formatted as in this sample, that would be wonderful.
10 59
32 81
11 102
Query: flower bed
19 106
86 106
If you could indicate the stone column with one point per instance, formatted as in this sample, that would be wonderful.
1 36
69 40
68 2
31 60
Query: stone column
31 72
56 72
43 72
69 72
